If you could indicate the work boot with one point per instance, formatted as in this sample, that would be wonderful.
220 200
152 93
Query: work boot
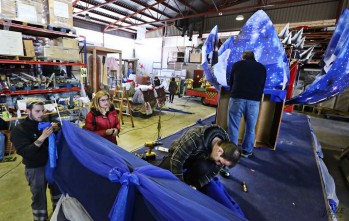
246 154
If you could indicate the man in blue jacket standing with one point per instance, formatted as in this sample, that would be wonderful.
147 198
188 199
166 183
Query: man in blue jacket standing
247 82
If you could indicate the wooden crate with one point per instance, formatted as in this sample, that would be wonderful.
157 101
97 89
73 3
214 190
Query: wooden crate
268 123
9 148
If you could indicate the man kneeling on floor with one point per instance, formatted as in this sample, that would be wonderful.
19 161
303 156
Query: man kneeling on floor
198 156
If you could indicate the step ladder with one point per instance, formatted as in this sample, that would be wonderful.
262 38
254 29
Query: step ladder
122 104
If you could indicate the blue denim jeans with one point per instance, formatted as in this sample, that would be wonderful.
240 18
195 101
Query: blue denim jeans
249 109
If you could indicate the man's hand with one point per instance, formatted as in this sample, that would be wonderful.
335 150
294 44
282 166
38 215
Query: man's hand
45 134
55 126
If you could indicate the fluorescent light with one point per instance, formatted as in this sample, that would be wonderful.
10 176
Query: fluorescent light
87 17
239 17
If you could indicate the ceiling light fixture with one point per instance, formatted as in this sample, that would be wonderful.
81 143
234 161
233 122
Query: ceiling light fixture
240 18
87 17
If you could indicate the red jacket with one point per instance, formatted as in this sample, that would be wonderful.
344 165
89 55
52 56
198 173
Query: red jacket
98 123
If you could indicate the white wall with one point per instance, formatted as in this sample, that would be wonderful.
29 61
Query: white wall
146 50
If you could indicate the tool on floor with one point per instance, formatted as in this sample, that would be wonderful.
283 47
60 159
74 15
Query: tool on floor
244 186
150 154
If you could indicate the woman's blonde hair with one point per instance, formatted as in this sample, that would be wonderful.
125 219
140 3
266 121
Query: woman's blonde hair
95 100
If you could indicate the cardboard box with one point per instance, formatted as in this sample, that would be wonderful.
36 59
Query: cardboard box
67 43
71 55
28 48
59 53
11 43
8 9
195 58
51 53
30 11
60 13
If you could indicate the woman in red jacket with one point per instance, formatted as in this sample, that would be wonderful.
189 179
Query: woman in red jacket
102 117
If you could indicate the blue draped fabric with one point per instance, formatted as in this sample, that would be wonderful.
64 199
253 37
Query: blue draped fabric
276 95
207 51
258 35
52 148
109 180
336 80
228 45
338 37
216 190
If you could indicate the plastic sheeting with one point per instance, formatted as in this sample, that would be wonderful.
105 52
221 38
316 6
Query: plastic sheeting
113 184
334 78
330 186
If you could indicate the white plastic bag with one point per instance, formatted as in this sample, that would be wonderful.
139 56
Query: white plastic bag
72 209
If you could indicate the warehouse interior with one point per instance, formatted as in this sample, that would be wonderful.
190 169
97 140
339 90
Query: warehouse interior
62 52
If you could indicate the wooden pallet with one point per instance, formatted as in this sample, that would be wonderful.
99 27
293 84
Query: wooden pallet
37 25
17 57
44 59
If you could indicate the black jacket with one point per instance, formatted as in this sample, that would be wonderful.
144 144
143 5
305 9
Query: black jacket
191 153
23 137
247 80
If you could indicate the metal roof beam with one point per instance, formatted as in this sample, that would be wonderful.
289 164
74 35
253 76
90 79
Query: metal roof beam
101 22
154 9
228 4
131 9
128 16
189 6
110 16
214 11
96 6
105 15
169 6
205 3
75 2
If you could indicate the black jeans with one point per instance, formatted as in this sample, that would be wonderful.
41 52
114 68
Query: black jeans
171 97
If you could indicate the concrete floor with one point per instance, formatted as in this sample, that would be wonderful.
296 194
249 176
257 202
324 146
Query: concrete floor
15 198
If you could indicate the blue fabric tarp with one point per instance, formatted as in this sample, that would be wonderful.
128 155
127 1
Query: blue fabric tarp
106 179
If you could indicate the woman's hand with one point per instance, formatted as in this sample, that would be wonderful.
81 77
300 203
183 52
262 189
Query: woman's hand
112 132
115 133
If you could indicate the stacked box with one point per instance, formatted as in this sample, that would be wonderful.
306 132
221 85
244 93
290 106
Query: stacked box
67 43
7 9
28 48
71 55
60 13
30 11
59 53
11 43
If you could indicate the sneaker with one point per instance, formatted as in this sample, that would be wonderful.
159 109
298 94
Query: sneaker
246 154
224 172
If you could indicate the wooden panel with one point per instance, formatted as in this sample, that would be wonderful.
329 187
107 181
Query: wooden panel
268 123
222 109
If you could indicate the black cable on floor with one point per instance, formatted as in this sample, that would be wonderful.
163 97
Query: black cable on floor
10 170
147 125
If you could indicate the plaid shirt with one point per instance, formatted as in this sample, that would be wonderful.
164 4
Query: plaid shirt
196 144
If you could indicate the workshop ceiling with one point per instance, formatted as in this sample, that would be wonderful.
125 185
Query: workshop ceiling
128 15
